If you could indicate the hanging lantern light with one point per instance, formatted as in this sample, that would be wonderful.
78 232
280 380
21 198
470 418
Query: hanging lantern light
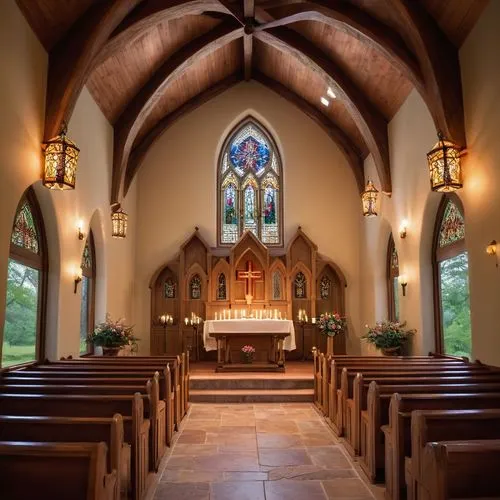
61 160
119 223
369 199
444 166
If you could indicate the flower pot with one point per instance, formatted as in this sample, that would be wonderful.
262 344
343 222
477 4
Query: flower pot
247 358
110 351
391 351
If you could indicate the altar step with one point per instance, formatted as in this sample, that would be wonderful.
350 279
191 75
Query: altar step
249 388
252 396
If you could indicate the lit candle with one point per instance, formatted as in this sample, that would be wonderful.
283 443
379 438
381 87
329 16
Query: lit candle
198 319
186 321
216 315
306 318
313 321
229 313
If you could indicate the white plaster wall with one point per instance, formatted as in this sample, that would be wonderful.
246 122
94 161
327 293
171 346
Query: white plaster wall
177 189
411 136
22 102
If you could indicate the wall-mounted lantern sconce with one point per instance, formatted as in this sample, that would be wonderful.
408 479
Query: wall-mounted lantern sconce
78 277
444 166
81 234
403 282
491 249
403 228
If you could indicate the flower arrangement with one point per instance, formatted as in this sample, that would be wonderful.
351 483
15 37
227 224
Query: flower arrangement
247 352
112 334
331 324
388 334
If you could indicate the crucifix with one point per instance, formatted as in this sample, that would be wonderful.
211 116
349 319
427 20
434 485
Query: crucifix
249 275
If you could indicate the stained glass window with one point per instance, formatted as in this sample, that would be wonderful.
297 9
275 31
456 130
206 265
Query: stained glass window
277 285
452 226
87 256
25 286
249 186
87 292
221 287
170 288
300 283
195 287
392 280
324 287
24 233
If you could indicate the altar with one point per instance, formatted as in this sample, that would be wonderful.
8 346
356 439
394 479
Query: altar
270 337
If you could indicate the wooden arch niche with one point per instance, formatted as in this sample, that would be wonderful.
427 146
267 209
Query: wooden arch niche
165 299
330 297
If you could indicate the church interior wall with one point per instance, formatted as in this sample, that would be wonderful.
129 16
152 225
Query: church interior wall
177 189
411 136
22 101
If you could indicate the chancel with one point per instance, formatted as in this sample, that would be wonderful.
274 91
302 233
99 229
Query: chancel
248 249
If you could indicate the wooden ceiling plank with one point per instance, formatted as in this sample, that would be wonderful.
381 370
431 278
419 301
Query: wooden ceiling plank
368 119
141 106
71 59
341 139
440 65
139 152
153 12
358 24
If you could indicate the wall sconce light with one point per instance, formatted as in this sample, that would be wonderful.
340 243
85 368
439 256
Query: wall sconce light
81 234
403 282
444 166
78 277
369 200
491 249
402 228
61 161
119 222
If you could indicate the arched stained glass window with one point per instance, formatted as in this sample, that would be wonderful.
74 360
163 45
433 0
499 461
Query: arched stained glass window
392 280
221 287
170 288
277 285
451 273
26 286
195 287
249 186
87 305
300 286
324 287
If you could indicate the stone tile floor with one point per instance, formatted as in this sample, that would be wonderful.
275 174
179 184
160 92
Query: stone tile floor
258 452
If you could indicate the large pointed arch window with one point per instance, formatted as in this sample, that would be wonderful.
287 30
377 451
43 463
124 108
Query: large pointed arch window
451 272
249 186
87 305
26 286
392 280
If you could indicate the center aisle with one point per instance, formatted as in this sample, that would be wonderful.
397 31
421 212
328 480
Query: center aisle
258 452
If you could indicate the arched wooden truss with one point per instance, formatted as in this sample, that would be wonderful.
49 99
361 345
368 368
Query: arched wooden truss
411 41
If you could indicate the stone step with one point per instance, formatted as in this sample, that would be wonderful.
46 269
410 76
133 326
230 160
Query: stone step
262 383
252 396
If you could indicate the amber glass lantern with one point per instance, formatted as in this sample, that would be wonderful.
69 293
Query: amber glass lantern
444 166
369 200
119 223
61 159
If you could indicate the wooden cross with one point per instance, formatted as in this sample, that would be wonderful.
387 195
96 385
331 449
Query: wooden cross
249 275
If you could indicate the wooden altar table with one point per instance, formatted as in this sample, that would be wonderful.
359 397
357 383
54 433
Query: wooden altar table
273 337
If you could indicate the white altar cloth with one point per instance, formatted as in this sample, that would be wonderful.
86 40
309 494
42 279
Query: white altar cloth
248 325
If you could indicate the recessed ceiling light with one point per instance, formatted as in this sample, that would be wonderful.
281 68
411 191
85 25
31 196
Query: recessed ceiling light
325 101
331 93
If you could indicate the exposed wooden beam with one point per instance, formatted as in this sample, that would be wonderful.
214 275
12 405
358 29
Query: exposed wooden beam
139 152
152 12
71 59
140 107
356 23
249 9
370 122
440 65
341 139
249 13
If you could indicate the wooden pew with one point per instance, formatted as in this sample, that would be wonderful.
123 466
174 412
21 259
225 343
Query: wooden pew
398 432
354 392
334 398
136 427
461 469
104 373
445 425
58 471
74 430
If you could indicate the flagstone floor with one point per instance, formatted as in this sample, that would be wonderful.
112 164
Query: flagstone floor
259 452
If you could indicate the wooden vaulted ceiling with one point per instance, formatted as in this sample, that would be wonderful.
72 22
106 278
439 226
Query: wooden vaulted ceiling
149 62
